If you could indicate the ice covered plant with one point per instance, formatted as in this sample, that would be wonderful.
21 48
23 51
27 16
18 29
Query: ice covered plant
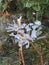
25 34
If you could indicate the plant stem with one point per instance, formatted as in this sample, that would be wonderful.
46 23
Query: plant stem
39 53
22 57
21 52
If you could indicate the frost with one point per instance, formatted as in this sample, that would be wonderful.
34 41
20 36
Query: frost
20 31
27 28
34 27
23 25
28 36
20 17
40 28
42 37
16 41
38 22
12 34
38 33
30 24
18 37
27 43
24 42
33 34
21 37
15 26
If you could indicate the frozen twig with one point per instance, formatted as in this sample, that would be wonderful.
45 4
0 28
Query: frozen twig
21 54
39 53
42 37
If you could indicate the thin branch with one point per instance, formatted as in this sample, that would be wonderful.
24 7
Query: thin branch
39 53
22 57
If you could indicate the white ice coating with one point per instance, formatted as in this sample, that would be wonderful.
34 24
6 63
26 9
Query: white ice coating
33 34
30 24
23 25
12 34
27 28
24 42
38 22
20 31
21 37
28 36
